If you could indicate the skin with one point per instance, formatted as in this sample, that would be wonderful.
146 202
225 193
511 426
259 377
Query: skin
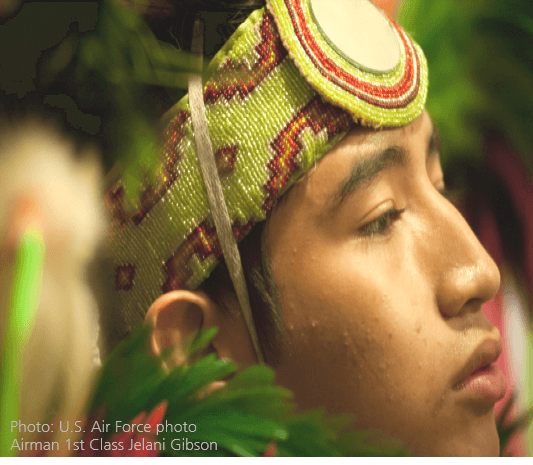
381 311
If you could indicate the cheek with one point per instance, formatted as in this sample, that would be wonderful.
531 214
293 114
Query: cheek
333 283
360 317
327 306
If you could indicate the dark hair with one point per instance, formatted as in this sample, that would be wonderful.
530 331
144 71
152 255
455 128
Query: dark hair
222 18
262 290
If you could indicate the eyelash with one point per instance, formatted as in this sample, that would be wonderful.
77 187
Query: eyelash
381 226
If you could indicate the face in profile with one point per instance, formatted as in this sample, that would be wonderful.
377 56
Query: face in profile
381 283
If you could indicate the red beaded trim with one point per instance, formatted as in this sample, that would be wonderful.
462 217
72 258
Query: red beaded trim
316 115
225 158
334 73
203 241
124 275
151 195
233 77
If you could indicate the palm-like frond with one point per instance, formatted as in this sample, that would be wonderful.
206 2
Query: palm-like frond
243 417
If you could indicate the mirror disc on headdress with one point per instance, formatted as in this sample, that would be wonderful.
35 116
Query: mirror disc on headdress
355 57
359 32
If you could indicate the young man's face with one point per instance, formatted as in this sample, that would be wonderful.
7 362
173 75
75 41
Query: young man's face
381 283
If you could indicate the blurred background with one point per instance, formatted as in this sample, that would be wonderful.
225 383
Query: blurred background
103 73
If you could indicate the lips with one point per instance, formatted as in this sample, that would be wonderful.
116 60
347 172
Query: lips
479 378
486 354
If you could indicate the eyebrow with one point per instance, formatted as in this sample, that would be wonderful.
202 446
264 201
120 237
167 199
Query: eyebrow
368 169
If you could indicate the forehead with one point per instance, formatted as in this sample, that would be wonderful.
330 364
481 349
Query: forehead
361 142
316 188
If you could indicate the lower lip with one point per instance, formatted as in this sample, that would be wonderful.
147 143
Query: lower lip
487 384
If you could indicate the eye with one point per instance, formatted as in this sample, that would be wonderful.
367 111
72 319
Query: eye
381 226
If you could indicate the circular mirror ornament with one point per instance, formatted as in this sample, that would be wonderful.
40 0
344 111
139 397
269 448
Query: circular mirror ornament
359 32
355 57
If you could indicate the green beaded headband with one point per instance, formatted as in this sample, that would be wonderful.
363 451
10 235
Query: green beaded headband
282 92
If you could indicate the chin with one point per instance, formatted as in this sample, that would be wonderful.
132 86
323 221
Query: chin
481 442
469 450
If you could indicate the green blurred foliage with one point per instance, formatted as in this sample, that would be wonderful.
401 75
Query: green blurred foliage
481 71
124 53
99 70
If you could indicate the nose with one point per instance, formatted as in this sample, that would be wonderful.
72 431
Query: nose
467 275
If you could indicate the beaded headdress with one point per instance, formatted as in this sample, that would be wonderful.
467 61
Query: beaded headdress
285 89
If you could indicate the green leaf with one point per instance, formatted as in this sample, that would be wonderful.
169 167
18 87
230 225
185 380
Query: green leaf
243 417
